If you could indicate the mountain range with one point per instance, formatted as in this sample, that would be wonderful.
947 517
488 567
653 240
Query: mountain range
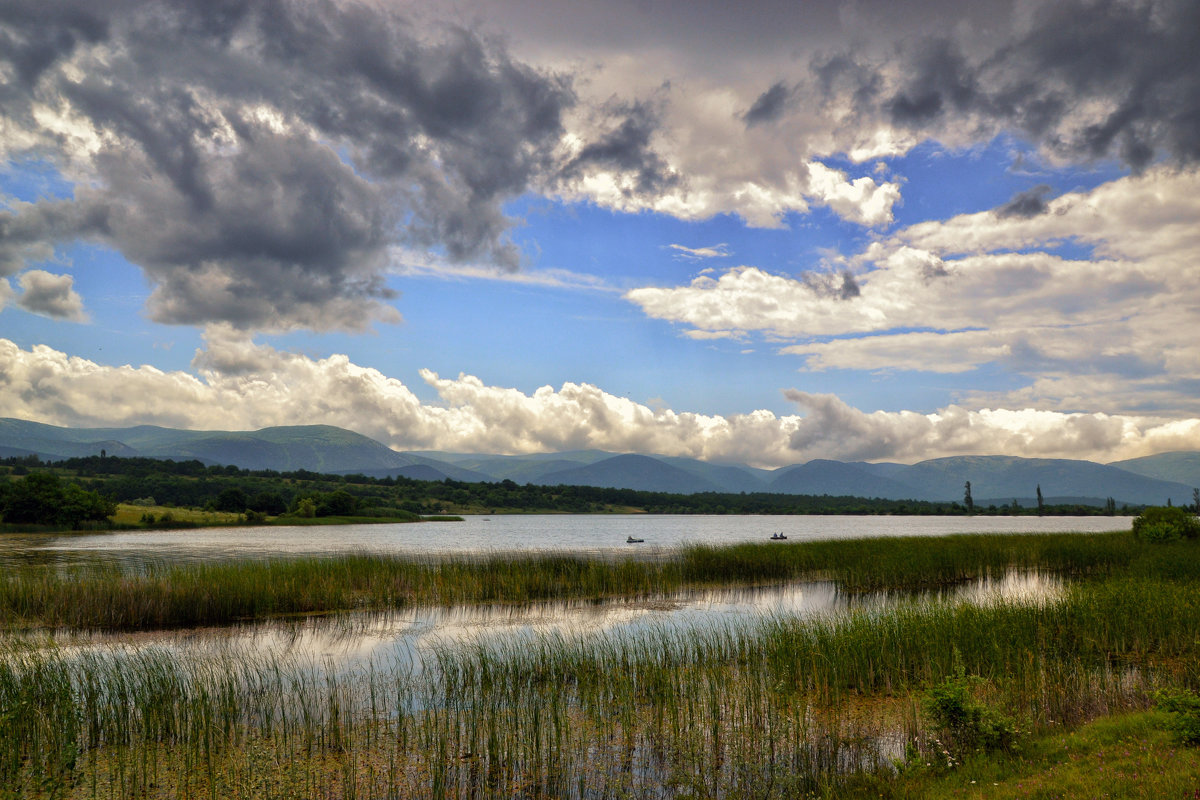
1152 480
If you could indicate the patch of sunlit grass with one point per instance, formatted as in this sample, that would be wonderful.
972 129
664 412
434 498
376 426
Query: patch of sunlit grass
1125 755
128 514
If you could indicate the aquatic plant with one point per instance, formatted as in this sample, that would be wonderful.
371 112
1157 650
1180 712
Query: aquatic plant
162 595
773 708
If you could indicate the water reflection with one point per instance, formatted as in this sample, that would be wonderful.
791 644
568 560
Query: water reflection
403 639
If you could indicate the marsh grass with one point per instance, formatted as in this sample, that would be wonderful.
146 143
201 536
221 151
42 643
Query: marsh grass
781 707
154 596
777 707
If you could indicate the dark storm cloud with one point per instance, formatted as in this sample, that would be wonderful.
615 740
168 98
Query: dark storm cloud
769 106
1142 57
940 81
259 158
1026 204
50 295
1088 79
849 286
842 74
35 36
842 285
28 230
626 148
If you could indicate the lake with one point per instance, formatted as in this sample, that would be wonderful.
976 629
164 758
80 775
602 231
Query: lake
574 533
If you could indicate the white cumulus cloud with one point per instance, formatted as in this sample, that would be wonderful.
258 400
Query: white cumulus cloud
243 385
995 288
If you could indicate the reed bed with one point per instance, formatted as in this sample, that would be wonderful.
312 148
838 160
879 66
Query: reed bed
156 596
782 707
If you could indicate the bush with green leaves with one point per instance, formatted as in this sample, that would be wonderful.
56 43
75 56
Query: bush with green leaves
1158 524
1184 708
963 724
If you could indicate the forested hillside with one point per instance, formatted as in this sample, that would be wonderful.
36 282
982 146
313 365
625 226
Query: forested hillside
301 493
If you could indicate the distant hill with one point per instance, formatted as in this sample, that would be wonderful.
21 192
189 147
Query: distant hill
632 472
520 470
1181 466
21 437
838 479
1002 479
320 448
425 469
323 448
730 477
416 472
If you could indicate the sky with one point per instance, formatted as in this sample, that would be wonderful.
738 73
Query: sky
760 232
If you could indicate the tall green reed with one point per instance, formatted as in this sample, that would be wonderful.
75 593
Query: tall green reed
162 595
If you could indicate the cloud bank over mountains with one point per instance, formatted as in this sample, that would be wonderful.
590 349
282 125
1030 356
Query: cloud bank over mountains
242 385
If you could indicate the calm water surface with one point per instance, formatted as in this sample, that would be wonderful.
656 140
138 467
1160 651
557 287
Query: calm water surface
598 534
354 641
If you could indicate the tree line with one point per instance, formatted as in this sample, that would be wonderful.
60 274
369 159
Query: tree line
84 487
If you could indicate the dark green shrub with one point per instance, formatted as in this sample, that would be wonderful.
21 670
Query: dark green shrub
1184 708
270 503
964 724
1158 524
232 499
337 504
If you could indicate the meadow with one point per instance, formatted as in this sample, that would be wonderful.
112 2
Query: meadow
916 698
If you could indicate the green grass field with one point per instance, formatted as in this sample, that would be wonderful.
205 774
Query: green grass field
130 515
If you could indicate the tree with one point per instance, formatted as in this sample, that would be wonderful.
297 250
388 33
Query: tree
231 499
1041 503
337 504
267 503
1196 501
42 498
968 501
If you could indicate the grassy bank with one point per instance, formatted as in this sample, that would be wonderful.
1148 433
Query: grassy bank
130 516
1128 755
176 595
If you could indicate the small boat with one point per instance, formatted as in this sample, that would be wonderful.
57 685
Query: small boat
778 537
632 540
